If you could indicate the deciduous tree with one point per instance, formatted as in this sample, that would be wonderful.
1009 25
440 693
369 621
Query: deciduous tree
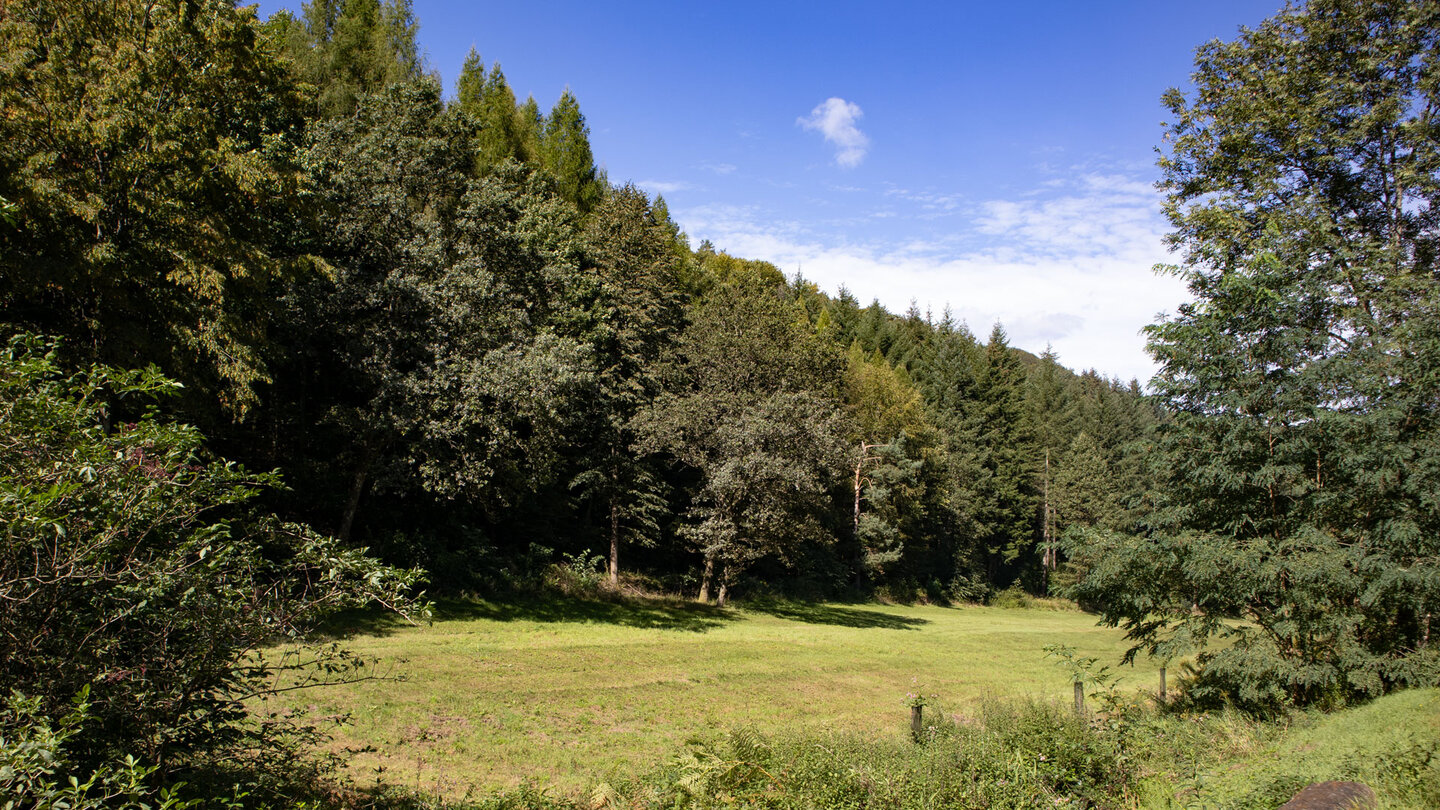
148 149
1302 177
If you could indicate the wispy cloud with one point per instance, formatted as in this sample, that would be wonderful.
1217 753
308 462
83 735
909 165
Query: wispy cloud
1070 266
835 118
719 168
931 202
662 186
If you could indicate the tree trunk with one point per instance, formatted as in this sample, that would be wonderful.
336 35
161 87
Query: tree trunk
859 546
357 488
855 520
705 578
1047 559
614 543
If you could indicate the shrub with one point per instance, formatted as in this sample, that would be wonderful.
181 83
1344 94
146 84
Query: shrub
134 573
36 773
578 575
1012 597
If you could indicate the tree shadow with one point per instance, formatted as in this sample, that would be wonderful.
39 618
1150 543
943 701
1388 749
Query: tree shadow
813 613
372 621
639 612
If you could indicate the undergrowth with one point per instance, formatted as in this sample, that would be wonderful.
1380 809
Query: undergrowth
1014 754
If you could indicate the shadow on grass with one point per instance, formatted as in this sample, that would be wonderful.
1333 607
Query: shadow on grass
836 614
660 614
361 622
641 612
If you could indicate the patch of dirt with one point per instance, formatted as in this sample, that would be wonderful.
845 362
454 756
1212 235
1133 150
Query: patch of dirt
441 727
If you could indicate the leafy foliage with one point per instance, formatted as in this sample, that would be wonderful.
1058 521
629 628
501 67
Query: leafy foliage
133 574
752 410
148 151
1301 464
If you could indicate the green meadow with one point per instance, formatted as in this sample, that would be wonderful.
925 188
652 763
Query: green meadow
568 693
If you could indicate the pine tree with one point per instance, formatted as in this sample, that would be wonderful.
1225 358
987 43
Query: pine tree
529 127
565 153
1002 430
497 140
352 47
470 86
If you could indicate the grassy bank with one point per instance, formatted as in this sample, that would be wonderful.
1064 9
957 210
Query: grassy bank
567 693
1226 761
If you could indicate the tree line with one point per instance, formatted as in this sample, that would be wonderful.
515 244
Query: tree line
463 350
467 350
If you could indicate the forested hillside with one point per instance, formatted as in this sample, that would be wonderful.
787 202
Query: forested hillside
287 331
466 349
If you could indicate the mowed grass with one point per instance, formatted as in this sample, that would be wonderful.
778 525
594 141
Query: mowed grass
569 693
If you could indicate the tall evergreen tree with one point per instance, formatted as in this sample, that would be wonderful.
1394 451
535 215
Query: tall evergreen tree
470 85
1002 430
498 139
529 128
344 48
565 153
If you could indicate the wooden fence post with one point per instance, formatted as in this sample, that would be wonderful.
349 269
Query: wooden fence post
1079 699
1162 685
917 722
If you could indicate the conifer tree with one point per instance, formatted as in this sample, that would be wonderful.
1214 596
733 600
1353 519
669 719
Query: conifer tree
1002 430
344 48
529 127
497 140
565 153
470 85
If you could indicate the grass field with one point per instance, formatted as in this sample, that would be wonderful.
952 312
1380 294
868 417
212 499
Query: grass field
567 693
1389 744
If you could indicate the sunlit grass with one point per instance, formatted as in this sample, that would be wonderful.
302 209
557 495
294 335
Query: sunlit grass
567 693
1388 744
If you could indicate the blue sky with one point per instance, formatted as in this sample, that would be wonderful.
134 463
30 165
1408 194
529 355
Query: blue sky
995 158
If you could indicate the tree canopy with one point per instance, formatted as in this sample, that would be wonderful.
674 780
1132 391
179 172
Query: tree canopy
1300 466
277 246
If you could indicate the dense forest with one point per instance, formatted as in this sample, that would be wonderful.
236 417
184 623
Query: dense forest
466 350
321 330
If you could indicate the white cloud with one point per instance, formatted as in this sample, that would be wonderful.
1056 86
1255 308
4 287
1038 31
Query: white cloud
719 168
835 118
1072 268
662 186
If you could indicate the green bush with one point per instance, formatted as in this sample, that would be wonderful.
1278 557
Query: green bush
36 773
134 572
580 574
1012 597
